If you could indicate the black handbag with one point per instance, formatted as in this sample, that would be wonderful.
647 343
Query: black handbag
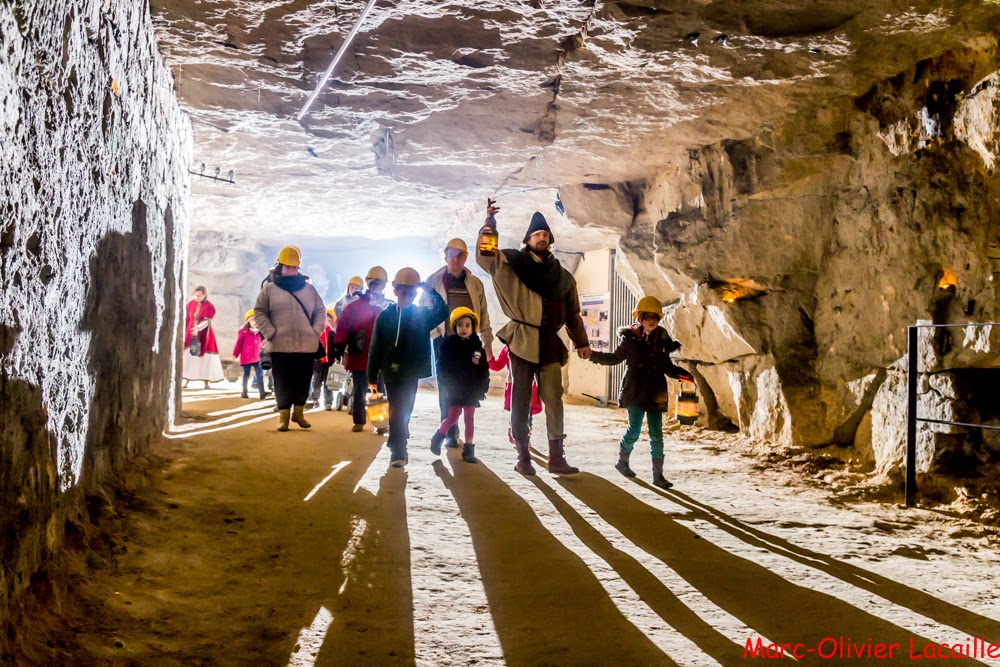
356 342
194 347
265 361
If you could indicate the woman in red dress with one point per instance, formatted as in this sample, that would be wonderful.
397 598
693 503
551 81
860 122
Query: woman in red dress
201 352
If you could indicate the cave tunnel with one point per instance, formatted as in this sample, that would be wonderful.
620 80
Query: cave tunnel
582 331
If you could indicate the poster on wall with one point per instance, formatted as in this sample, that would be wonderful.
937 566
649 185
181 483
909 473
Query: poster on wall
596 312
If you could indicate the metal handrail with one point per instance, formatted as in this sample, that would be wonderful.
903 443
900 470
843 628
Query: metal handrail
912 370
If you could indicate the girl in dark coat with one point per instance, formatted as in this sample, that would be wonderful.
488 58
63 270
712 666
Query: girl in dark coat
645 348
464 377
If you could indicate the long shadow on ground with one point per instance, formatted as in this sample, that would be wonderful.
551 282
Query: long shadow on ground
778 609
547 606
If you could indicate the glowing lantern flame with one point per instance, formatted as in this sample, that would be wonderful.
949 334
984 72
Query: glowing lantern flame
948 280
377 410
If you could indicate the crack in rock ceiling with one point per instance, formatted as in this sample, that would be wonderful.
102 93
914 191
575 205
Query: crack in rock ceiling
438 104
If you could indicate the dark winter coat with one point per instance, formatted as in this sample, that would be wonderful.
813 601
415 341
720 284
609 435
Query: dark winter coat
463 371
647 362
401 340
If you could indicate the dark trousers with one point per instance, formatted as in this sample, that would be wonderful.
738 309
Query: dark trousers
453 431
401 395
318 386
359 390
258 373
550 390
292 373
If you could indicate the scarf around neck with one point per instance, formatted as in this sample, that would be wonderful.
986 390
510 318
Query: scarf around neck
546 278
290 283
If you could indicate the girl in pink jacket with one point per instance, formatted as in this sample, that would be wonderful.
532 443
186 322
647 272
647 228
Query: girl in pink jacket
247 353
501 362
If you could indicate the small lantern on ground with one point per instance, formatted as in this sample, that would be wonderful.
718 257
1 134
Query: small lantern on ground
377 409
686 405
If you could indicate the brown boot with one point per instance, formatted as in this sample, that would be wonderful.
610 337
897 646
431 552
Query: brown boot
524 459
557 459
658 478
299 417
283 416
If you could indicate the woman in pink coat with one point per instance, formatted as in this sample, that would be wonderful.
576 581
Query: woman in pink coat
247 353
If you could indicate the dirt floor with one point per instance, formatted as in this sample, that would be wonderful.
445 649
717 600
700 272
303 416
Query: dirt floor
238 545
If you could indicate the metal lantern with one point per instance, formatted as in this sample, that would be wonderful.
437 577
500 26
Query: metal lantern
489 240
686 405
377 409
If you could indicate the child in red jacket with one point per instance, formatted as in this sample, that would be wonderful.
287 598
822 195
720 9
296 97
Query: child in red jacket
501 362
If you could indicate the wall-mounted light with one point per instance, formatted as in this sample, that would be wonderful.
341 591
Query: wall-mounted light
737 289
230 177
948 280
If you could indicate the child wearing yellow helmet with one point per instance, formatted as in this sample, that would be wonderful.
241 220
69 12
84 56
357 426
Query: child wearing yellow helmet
464 377
321 366
246 353
645 348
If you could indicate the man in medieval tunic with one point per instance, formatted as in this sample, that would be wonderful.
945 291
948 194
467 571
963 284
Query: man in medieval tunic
540 298
201 353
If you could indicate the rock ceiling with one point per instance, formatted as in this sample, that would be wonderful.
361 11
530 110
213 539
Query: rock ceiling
440 103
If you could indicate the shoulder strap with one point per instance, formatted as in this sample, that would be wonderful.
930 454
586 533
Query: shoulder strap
306 312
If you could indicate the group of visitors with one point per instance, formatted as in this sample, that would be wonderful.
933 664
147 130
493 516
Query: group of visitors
388 347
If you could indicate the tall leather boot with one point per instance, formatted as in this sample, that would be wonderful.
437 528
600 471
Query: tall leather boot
557 459
283 416
658 478
299 417
524 459
622 465
436 441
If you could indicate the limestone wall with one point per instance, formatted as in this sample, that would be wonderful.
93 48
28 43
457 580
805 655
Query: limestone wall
93 189
795 258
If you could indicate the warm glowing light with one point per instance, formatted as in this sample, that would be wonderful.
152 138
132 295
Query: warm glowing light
686 406
948 280
377 410
736 289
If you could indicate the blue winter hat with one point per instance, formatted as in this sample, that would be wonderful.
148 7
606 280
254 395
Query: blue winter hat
538 224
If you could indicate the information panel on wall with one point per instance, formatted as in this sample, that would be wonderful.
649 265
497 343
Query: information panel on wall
596 311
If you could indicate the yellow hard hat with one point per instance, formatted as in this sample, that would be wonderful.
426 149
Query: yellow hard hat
462 311
248 315
406 276
459 244
332 313
356 280
290 256
377 273
648 304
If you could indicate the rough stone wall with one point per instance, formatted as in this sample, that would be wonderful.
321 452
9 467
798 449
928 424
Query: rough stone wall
795 258
93 190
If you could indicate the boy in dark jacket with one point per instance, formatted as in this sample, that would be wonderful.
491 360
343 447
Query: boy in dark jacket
464 374
645 348
401 352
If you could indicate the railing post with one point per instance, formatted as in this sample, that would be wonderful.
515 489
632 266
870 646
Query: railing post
911 417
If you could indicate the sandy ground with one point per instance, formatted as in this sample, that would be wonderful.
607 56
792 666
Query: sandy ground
242 545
